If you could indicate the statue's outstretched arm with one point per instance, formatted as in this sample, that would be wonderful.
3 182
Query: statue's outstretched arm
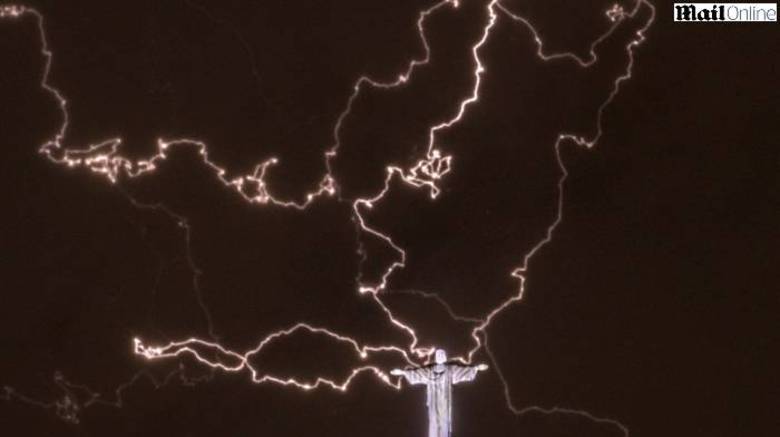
413 376
462 373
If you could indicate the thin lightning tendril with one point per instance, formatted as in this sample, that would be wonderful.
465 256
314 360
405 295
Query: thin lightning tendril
435 166
191 346
104 159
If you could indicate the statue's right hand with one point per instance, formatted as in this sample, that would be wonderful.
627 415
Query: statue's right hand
397 372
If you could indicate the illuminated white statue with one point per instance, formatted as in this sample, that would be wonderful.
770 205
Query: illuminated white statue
439 378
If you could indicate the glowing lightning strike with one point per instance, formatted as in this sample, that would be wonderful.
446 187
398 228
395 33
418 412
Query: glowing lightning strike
104 158
242 361
435 166
616 14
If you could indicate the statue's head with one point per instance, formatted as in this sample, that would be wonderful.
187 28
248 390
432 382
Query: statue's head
440 357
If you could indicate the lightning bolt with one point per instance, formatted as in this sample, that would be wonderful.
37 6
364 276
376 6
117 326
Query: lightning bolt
435 166
105 159
195 347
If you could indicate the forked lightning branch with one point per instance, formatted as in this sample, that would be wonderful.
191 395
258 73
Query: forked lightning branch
426 362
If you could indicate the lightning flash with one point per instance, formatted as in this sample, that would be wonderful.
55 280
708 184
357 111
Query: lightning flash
106 159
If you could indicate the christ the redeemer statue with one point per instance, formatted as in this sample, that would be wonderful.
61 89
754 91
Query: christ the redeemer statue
439 377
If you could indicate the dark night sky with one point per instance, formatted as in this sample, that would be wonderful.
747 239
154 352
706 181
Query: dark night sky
655 303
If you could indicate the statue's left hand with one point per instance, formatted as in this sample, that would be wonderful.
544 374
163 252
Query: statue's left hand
482 367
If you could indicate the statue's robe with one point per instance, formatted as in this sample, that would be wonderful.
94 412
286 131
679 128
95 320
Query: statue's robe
439 379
